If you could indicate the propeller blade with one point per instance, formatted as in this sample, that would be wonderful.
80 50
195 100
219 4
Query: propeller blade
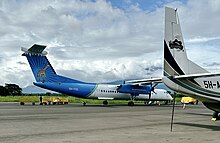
153 87
152 90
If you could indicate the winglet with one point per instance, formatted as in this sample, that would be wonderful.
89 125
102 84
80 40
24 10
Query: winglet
35 49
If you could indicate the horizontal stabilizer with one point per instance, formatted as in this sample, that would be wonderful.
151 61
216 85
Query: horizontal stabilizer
35 49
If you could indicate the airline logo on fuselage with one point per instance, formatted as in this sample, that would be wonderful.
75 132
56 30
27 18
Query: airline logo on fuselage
176 45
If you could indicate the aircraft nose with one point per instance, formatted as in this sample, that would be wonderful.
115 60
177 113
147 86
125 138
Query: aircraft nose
169 96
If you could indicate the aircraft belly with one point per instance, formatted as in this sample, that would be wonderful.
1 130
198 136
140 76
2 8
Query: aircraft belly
157 96
74 89
122 96
180 87
143 97
213 106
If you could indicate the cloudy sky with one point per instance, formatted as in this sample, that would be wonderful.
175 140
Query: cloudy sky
103 41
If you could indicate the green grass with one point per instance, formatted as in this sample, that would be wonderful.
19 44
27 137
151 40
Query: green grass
19 98
178 99
34 98
71 99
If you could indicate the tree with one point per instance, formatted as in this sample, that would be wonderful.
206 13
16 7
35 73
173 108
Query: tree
3 91
13 89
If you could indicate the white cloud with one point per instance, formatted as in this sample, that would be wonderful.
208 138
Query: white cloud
202 39
95 41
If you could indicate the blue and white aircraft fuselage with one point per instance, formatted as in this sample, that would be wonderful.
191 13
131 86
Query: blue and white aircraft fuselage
47 78
101 91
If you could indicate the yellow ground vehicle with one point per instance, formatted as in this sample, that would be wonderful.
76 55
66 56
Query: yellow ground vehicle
59 100
189 100
55 100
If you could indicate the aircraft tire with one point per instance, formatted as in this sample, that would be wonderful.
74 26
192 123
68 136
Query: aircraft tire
21 103
84 103
105 102
215 115
130 103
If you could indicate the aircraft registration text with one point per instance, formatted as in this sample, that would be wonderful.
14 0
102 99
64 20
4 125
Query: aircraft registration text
211 84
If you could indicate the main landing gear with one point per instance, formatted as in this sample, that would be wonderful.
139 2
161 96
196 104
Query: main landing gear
84 103
130 103
105 102
215 116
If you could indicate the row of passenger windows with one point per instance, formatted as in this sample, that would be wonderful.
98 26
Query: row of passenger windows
109 91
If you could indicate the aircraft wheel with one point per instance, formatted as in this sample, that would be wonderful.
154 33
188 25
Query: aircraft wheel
105 102
130 103
84 103
21 103
215 115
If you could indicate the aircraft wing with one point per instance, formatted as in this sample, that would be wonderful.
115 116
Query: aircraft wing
159 80
192 76
145 81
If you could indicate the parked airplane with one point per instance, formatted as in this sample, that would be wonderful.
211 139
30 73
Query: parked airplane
183 75
47 78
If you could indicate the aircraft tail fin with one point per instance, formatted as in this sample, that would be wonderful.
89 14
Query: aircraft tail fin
41 67
175 57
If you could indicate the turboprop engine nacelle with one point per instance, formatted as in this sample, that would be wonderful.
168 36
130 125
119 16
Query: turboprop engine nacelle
134 89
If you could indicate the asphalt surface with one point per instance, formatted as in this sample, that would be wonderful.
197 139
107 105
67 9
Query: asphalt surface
75 123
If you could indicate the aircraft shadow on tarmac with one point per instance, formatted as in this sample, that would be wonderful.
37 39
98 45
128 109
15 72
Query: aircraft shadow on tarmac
201 114
211 127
